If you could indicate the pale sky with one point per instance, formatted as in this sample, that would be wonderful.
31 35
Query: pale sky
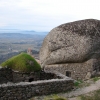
43 15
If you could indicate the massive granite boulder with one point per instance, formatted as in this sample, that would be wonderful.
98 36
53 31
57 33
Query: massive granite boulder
75 42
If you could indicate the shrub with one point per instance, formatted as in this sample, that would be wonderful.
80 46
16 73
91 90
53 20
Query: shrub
76 83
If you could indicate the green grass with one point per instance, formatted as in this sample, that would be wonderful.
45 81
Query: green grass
78 82
96 79
23 63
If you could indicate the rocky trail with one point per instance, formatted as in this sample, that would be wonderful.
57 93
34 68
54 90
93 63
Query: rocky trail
72 95
81 91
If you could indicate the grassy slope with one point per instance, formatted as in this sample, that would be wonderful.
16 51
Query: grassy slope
21 63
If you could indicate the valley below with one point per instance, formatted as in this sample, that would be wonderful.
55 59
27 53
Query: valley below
13 43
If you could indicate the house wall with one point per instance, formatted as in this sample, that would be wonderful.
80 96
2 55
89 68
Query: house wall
78 71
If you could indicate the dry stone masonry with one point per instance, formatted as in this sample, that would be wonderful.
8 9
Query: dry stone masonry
26 90
8 75
73 49
36 84
5 75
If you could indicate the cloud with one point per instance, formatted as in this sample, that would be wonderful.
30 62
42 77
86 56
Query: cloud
44 15
61 7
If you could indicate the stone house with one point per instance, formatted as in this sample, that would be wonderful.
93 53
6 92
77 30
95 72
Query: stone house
78 71
73 49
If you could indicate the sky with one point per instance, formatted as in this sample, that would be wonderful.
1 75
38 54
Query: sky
44 15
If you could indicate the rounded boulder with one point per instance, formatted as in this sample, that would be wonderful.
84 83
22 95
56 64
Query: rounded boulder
74 42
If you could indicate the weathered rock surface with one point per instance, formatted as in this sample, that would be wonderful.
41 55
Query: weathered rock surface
74 42
73 49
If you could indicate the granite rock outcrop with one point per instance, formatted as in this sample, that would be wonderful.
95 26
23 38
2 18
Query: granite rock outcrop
71 43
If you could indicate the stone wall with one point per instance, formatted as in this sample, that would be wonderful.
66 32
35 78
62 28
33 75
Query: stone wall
26 90
33 76
5 75
8 75
76 71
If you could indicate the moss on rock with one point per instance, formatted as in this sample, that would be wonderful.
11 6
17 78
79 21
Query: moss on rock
23 63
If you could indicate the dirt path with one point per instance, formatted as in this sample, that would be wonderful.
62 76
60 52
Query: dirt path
92 87
83 90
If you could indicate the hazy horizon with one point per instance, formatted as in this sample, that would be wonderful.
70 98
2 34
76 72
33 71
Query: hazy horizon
21 30
44 15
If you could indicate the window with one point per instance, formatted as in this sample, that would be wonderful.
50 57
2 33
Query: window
68 73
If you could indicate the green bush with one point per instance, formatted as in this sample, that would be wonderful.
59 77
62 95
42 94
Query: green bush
78 82
22 62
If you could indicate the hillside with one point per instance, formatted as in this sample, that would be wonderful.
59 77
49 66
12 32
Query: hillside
23 63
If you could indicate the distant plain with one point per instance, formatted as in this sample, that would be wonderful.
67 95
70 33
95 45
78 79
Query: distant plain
14 43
